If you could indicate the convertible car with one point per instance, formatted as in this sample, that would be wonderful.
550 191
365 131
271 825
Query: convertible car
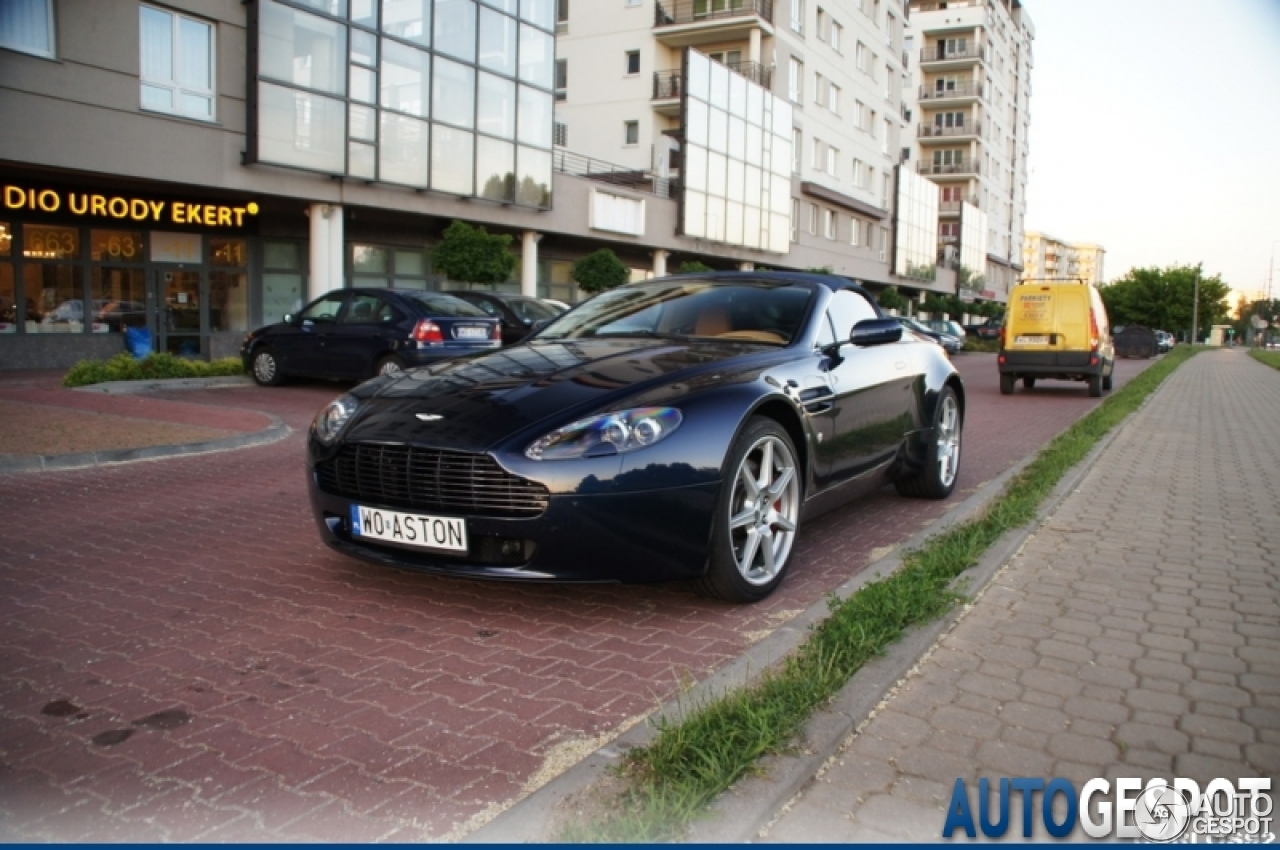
680 428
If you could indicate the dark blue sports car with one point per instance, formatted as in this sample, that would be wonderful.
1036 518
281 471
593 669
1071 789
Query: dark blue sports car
679 428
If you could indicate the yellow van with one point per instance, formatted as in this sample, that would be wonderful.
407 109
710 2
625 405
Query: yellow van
1056 329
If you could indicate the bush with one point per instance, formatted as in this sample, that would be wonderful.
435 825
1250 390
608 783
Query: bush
892 299
694 267
124 367
600 271
473 255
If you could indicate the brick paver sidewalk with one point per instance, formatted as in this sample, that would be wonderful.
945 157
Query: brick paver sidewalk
1136 634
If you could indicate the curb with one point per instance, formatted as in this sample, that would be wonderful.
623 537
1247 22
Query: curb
753 802
274 432
139 387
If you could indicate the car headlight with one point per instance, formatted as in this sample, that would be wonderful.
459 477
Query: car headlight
607 434
330 421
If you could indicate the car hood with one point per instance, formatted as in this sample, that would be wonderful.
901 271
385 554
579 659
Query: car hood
476 403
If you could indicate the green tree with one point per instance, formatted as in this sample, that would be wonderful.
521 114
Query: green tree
599 271
892 299
1162 299
694 267
472 255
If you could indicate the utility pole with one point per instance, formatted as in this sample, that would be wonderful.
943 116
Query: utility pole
1195 308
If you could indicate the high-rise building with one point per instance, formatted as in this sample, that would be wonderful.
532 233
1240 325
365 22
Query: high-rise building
970 102
1044 256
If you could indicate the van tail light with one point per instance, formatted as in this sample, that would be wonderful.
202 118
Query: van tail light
427 331
497 331
1002 337
1094 336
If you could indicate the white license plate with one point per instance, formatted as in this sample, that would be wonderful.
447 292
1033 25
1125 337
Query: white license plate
472 332
426 532
1032 340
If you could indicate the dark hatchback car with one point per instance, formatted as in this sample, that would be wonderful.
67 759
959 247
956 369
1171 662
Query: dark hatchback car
519 313
949 342
680 428
359 333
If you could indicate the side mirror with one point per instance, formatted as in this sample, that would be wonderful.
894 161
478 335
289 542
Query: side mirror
876 332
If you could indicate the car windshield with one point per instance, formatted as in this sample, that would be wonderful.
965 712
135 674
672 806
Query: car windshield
532 309
445 306
770 313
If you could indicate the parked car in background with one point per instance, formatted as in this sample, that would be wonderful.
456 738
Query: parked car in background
1165 341
518 313
678 428
946 326
359 333
987 329
950 342
1136 341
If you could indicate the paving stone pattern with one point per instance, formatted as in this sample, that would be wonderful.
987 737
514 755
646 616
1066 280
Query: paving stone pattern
1136 634
181 659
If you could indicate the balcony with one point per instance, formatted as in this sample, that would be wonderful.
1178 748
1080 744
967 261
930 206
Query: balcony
669 85
947 169
956 92
949 208
938 58
933 131
684 23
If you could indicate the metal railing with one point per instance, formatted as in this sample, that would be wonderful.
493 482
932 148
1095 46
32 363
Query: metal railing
567 162
941 54
928 168
933 131
670 84
954 206
956 90
671 12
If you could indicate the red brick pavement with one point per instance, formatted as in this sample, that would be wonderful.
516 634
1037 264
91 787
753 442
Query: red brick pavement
181 659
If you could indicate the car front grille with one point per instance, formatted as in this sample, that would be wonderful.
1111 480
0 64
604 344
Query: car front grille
430 480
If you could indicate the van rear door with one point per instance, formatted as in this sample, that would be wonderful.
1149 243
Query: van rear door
1031 323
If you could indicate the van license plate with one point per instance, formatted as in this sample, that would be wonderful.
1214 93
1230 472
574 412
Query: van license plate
1031 340
424 532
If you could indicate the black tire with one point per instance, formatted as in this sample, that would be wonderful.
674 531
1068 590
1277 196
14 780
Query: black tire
265 368
1006 384
1095 386
1029 383
752 538
1106 381
388 365
937 478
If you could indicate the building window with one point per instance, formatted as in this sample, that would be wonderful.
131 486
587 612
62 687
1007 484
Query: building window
633 61
177 63
795 82
819 156
560 134
833 98
860 56
860 115
855 228
27 26
813 219
562 17
829 223
833 158
797 16
632 132
858 174
884 243
562 79
795 220
797 138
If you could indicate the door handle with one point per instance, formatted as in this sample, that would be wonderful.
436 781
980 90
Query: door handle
901 364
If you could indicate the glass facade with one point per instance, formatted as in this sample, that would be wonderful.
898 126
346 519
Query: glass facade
916 251
737 174
973 251
449 95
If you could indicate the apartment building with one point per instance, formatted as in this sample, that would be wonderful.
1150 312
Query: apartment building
631 90
204 166
1046 256
970 101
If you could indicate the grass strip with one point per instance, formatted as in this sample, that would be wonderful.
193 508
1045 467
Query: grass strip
1270 358
690 761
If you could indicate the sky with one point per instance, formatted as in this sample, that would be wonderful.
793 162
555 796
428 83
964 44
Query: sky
1155 133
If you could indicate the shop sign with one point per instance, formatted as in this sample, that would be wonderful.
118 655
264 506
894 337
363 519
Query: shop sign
124 207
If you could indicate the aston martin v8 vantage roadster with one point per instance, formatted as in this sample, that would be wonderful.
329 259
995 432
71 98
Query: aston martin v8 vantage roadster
683 427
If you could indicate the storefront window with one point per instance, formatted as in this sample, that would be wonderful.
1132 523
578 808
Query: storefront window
116 246
8 292
228 286
368 259
42 242
282 281
58 292
119 299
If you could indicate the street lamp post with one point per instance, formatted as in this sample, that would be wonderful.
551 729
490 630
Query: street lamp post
1195 308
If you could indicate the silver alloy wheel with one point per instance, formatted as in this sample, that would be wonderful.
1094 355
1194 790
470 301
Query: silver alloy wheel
948 437
389 367
765 510
264 367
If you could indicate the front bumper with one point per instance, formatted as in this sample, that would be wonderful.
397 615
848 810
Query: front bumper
648 536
